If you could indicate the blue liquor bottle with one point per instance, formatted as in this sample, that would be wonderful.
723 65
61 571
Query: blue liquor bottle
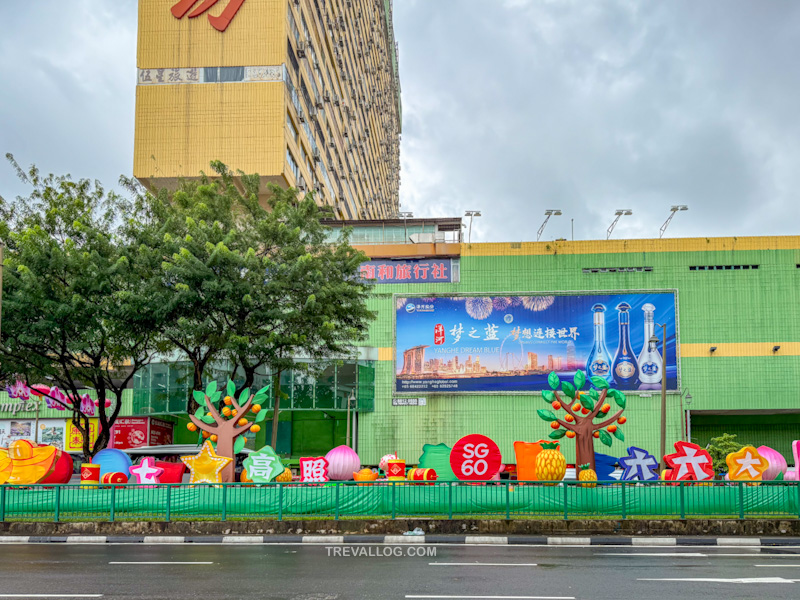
625 368
599 361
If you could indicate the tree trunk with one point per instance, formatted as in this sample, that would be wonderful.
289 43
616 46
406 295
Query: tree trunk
225 448
197 384
584 447
275 412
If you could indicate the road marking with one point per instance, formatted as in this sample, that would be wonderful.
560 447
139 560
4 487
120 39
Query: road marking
654 541
671 554
477 564
717 580
159 563
485 539
777 566
499 597
51 595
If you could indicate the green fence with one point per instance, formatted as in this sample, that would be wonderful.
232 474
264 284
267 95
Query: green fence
440 500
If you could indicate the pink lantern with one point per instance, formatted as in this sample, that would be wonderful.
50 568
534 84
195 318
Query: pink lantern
342 462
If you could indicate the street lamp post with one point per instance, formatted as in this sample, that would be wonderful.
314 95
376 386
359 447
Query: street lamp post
470 214
405 215
550 212
1 289
687 418
653 343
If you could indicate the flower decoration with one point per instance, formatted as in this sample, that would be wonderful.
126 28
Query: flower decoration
87 405
19 391
55 398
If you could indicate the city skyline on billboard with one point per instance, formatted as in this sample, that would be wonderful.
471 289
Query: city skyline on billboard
511 343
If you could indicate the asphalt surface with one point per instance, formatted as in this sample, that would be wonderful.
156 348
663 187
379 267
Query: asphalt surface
312 572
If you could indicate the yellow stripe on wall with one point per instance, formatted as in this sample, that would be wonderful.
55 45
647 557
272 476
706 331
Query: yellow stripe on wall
740 349
788 242
386 353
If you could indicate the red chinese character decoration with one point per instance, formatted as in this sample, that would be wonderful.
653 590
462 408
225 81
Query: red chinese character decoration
314 469
220 23
475 457
438 334
690 462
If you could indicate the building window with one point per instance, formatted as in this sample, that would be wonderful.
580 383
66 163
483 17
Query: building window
722 267
223 74
292 164
290 126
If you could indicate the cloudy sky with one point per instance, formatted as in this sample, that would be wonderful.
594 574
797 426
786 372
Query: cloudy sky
510 107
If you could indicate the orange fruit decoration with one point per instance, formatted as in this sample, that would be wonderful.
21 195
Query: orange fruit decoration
596 434
255 428
256 408
556 405
242 422
576 407
612 428
206 434
228 400
585 411
191 427
570 434
234 412
606 407
555 425
569 418
226 411
622 420
214 438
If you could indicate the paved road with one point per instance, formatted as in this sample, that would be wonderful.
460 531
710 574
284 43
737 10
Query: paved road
310 572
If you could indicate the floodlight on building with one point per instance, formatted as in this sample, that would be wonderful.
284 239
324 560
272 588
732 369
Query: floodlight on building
471 214
618 214
550 212
673 209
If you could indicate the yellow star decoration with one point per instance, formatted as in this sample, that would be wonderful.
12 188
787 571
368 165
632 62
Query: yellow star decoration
746 465
207 466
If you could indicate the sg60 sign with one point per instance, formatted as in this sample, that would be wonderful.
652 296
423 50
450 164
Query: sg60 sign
475 457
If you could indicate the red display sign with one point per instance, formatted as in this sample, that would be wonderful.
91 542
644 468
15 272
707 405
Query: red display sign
135 432
220 22
475 457
438 334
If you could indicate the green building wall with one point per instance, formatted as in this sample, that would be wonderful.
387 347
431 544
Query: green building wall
743 312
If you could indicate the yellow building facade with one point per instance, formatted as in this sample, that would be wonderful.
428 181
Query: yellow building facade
303 92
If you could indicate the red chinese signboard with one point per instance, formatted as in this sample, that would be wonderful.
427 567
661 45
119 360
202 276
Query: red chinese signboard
438 334
407 271
220 23
475 457
135 432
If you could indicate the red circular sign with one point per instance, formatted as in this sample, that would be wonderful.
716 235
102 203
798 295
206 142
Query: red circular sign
475 457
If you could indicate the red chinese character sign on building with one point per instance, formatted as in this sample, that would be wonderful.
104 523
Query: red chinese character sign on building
475 457
220 23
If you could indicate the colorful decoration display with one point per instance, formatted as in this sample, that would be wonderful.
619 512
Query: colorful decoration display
111 478
526 453
639 465
314 469
285 477
90 475
475 457
746 465
30 463
5 466
366 475
342 461
582 408
587 475
146 472
689 463
62 471
396 469
551 465
437 457
384 463
421 475
112 461
173 472
792 474
225 424
777 463
263 466
207 466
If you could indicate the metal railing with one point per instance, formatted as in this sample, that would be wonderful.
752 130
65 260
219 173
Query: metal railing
396 500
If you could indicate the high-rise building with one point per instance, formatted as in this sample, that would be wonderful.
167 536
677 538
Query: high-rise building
304 93
533 361
572 363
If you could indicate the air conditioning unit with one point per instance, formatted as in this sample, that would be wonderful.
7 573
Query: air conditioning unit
316 155
318 102
331 143
326 95
301 183
302 47
301 116
312 112
336 100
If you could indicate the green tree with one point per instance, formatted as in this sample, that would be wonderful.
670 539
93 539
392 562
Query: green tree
258 285
719 447
75 314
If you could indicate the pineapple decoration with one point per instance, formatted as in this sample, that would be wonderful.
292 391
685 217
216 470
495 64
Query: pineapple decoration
551 465
582 408
587 475
225 423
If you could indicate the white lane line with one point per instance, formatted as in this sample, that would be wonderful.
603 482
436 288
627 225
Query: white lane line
478 564
499 597
777 566
167 562
51 595
670 554
718 580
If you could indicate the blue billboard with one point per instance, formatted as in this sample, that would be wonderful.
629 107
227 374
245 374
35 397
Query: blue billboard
511 343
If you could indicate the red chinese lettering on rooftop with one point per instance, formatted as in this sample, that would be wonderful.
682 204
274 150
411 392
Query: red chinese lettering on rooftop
220 23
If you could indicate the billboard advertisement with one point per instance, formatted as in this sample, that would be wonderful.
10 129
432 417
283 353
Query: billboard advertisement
511 343
431 270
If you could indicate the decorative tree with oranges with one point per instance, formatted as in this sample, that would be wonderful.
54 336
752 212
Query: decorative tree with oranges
225 424
582 408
